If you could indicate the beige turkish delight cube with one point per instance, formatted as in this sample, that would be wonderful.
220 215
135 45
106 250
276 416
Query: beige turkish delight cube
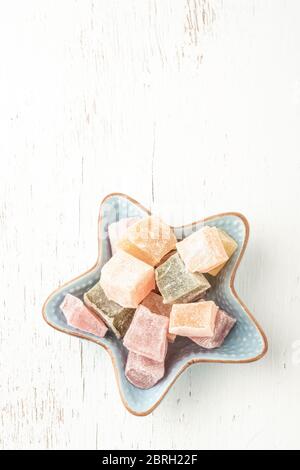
203 250
230 246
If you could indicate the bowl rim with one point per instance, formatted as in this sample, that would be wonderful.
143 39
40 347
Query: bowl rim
191 361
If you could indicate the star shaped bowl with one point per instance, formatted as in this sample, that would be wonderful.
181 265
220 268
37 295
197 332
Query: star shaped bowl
246 343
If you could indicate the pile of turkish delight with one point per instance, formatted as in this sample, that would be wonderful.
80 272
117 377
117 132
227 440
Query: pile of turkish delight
153 289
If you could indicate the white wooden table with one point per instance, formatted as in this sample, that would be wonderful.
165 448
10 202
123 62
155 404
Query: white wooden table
193 108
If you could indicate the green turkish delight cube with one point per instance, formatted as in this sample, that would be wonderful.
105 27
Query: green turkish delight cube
176 284
116 317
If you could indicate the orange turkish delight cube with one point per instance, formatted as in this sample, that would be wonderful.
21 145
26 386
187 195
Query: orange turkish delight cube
150 240
193 320
127 280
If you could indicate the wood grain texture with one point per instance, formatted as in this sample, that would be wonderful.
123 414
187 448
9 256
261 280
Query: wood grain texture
191 107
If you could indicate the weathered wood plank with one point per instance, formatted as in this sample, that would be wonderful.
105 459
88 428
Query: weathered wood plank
192 107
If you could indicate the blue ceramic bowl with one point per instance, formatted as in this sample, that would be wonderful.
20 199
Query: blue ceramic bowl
246 343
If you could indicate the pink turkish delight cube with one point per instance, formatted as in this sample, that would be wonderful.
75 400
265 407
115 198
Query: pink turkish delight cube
224 324
156 305
143 372
147 334
80 317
